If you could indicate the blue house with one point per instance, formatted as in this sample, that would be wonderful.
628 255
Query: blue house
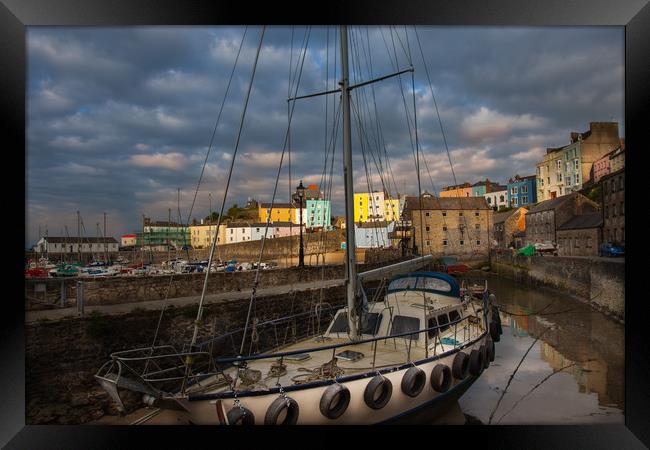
522 191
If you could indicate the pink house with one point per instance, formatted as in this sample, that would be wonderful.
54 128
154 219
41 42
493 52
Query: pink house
601 167
282 229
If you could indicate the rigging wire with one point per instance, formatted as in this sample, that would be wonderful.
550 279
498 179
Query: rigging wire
225 194
284 147
205 161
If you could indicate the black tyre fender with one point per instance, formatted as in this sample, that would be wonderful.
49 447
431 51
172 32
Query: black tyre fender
499 329
279 405
413 381
495 314
475 362
460 366
334 401
441 378
494 332
240 416
375 384
489 343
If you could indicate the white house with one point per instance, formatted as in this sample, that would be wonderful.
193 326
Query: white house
238 232
497 199
72 245
373 234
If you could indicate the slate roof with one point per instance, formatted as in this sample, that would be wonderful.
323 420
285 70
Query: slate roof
503 216
551 204
276 205
84 240
589 220
238 225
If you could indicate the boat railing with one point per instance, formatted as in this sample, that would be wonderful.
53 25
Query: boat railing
164 369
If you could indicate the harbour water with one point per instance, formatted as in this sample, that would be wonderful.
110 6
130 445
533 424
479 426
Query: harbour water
573 373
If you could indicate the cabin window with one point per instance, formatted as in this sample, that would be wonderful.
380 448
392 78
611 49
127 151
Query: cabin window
403 283
433 283
443 320
454 316
403 324
430 324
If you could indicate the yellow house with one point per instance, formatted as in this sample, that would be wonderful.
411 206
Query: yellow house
375 207
281 212
361 207
391 210
461 190
201 236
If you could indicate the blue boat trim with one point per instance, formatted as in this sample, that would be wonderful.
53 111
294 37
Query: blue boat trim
240 394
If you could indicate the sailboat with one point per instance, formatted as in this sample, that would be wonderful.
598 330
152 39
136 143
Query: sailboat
409 351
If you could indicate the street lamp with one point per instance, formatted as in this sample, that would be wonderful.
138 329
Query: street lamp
300 191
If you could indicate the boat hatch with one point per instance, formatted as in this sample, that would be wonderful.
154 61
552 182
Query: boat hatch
298 357
350 355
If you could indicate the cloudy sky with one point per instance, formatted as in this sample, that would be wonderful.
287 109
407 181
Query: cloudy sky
119 118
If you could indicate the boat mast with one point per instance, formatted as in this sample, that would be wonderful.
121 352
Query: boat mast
351 268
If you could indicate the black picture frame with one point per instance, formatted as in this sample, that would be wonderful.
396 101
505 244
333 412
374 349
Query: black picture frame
15 15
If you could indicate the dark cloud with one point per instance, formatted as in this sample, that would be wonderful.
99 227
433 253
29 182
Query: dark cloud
120 118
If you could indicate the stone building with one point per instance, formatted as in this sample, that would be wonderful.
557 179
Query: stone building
449 226
565 169
543 219
581 235
505 224
613 207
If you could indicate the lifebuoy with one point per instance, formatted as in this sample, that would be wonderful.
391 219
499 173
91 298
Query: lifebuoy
494 331
280 405
475 362
460 366
240 416
378 392
441 378
413 381
334 401
484 352
490 348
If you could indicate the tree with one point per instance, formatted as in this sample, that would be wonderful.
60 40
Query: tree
212 218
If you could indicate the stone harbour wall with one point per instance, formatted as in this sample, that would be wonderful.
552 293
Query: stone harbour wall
62 356
597 281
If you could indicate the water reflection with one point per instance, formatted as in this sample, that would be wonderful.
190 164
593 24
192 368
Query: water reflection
573 373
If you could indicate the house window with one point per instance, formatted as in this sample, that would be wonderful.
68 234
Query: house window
524 200
548 180
445 242
426 214
444 214
460 214
444 228
477 214
489 200
478 242
576 164
427 230
513 191
568 181
515 201
558 177
588 243
524 189
568 166
577 178
559 164
501 199
477 226
428 243
462 242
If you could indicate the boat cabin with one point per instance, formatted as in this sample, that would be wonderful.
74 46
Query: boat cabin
413 302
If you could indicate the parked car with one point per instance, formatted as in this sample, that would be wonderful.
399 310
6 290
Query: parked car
542 248
450 265
610 249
